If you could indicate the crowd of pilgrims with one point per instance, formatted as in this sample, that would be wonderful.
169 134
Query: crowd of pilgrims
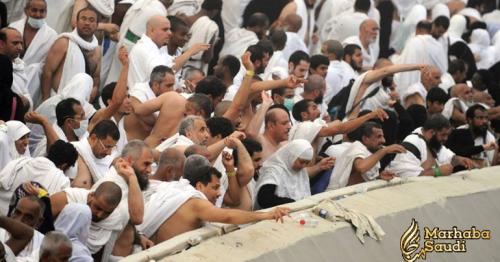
126 123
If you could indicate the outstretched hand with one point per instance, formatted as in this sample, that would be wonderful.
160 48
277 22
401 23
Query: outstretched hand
278 213
380 114
293 82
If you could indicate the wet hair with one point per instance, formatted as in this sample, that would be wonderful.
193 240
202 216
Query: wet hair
220 126
471 111
106 128
298 56
202 102
61 152
232 63
436 94
442 21
203 175
317 60
211 86
299 108
436 122
64 110
107 92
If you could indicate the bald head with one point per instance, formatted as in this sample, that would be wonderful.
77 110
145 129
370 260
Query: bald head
333 49
158 29
171 165
368 31
11 42
110 192
293 22
314 82
462 91
430 77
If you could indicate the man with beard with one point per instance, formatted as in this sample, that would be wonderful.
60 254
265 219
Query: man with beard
352 61
426 155
360 162
455 108
367 40
473 140
314 90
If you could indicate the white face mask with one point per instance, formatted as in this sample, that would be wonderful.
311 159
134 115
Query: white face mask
36 23
79 132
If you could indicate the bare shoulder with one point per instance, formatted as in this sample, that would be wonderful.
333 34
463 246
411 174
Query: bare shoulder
61 44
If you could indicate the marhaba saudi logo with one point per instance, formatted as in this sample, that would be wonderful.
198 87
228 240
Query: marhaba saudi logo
454 240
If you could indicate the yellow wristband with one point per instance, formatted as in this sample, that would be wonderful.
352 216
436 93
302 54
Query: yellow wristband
42 193
231 173
250 73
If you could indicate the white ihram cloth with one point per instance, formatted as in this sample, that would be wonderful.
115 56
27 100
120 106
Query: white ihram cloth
496 47
370 56
341 27
458 26
237 41
336 78
307 15
169 197
74 221
26 169
135 21
232 13
440 9
144 57
355 89
408 27
416 88
143 93
41 148
59 14
204 30
105 7
344 164
120 216
175 141
276 61
421 49
100 232
97 167
451 104
74 62
31 248
277 170
40 45
187 7
293 43
479 141
479 46
338 149
408 165
20 80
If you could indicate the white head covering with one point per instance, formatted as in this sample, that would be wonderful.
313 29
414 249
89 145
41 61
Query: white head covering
409 26
16 130
479 45
469 11
74 221
277 170
458 25
440 10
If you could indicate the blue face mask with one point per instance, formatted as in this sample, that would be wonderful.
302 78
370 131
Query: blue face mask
289 102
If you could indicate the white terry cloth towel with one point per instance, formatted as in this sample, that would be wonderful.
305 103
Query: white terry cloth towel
59 14
26 169
135 21
479 45
343 166
74 62
408 165
232 13
364 224
97 167
21 81
165 202
173 141
237 41
104 7
451 104
204 30
31 248
187 7
41 43
408 27
74 221
458 25
277 170
293 43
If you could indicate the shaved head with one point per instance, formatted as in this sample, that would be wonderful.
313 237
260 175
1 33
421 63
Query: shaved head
367 23
110 192
171 165
155 22
294 22
333 47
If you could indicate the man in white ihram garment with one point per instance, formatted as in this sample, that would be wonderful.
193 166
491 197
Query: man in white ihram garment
367 40
239 39
73 53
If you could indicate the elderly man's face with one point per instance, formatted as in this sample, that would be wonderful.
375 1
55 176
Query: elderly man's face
37 9
28 212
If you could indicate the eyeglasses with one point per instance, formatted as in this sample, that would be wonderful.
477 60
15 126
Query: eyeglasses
105 146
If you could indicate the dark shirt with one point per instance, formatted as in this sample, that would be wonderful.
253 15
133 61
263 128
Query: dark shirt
266 197
461 142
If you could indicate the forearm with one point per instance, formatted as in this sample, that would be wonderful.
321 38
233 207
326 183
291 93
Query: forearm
20 234
255 124
376 75
335 128
240 99
245 166
232 196
46 83
215 150
50 134
312 171
260 86
363 165
135 201
181 60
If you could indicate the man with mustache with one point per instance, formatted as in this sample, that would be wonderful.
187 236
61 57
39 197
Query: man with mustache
473 139
425 154
367 40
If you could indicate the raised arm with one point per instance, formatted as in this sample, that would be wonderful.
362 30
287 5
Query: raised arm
135 200
119 94
232 195
20 234
377 74
363 165
50 133
255 124
54 60
241 96
181 60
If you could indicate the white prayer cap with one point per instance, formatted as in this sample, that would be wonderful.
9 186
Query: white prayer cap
105 7
16 129
440 10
